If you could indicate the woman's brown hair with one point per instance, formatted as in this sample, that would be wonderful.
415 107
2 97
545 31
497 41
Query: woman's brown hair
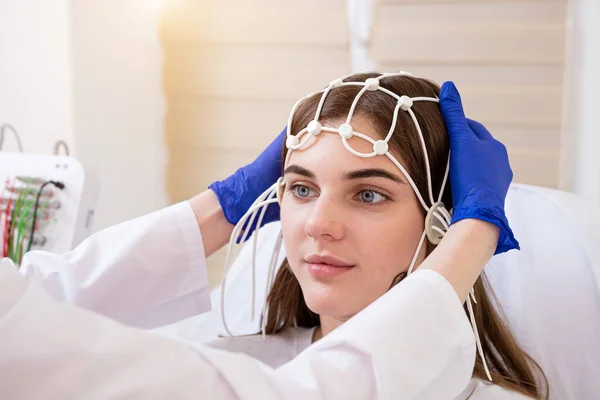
509 365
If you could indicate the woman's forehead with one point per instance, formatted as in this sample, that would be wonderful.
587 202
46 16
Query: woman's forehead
326 155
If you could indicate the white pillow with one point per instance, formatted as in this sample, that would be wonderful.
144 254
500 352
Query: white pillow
549 289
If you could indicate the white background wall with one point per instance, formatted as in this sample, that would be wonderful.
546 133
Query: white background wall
580 144
35 73
90 73
119 105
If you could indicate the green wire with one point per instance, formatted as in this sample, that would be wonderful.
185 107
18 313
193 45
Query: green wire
13 224
25 225
13 248
21 229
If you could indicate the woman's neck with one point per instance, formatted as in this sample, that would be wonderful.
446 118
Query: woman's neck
328 324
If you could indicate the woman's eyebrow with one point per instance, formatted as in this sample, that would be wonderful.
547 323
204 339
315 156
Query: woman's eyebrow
296 169
373 173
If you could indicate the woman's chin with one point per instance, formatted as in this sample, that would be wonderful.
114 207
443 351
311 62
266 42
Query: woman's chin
327 303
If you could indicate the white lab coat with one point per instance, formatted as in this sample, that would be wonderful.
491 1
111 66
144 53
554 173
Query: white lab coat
277 350
414 342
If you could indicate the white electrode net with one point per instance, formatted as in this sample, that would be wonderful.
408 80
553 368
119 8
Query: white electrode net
437 220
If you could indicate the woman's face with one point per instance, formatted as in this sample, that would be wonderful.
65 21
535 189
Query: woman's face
350 224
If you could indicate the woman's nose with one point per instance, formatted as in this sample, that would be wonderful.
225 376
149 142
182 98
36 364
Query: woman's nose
324 221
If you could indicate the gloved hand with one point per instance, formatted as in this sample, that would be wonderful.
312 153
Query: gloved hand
237 193
480 173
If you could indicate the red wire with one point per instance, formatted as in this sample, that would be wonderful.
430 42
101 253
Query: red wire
6 222
3 211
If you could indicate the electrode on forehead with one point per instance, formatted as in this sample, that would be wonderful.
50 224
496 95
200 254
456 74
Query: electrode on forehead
292 141
314 127
380 147
346 131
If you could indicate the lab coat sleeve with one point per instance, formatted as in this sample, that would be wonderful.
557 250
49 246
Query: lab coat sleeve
413 343
147 272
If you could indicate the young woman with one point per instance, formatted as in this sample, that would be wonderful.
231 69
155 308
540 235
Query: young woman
351 225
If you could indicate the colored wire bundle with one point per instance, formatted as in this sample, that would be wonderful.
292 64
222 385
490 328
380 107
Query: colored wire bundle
12 233
20 215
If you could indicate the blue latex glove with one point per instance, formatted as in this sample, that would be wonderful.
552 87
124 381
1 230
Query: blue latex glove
480 173
237 193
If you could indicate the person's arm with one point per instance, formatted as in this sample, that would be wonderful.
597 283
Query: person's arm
461 265
211 219
147 272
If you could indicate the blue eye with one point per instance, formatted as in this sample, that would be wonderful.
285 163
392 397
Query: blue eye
301 191
371 197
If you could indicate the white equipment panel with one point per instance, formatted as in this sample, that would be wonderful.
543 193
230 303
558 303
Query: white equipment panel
63 217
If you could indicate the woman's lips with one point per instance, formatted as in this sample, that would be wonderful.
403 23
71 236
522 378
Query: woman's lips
326 266
325 270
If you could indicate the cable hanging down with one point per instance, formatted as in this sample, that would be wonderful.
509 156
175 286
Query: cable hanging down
3 129
58 185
